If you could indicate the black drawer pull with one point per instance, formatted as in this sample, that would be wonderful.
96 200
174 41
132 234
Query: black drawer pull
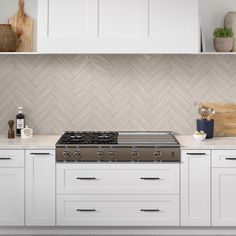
5 158
86 210
40 154
86 178
230 159
150 210
154 178
196 154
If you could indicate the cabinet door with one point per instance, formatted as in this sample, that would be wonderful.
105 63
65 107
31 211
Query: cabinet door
223 196
11 196
40 188
195 188
67 25
118 26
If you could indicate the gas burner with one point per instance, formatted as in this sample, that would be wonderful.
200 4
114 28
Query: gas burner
89 138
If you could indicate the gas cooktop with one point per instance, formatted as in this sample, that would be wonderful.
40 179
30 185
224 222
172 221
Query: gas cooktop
117 147
117 138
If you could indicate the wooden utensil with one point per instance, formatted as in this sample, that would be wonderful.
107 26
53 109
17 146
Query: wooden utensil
225 118
23 26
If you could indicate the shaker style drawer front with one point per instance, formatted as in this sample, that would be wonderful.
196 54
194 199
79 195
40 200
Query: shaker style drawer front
11 158
117 179
224 158
110 210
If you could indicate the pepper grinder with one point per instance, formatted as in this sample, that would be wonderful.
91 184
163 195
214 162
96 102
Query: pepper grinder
11 132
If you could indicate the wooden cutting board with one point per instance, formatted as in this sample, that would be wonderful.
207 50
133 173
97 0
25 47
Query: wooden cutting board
225 118
23 26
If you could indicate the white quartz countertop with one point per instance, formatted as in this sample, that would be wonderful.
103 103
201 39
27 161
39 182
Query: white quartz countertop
37 142
188 142
49 142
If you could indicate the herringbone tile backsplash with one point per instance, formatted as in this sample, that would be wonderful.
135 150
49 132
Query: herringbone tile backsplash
112 92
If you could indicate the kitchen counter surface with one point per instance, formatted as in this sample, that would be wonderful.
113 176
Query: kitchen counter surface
49 142
37 142
188 142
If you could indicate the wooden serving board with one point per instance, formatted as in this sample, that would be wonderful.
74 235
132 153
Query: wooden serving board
23 26
225 118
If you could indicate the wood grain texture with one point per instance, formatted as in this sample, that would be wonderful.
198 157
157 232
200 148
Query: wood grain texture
23 26
225 118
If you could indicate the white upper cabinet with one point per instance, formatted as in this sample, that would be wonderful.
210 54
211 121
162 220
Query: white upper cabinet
118 26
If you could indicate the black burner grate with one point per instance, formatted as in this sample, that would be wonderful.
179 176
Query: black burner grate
89 138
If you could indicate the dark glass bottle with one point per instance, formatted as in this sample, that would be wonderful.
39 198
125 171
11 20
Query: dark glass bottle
20 121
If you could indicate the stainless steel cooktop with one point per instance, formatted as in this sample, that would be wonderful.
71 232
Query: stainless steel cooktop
117 147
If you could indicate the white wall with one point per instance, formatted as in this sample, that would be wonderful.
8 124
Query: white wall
9 8
212 14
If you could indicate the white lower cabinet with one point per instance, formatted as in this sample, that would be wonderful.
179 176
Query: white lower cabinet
195 188
224 188
113 210
40 188
11 197
11 187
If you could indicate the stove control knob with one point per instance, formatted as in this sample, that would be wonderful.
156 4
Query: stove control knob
100 155
66 155
78 155
112 155
134 155
157 154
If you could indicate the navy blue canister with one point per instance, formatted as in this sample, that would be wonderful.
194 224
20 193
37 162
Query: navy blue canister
207 126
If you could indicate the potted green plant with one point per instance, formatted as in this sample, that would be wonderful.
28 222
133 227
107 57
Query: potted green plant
223 39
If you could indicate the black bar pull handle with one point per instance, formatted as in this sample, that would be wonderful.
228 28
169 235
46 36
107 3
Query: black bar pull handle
40 153
150 210
151 178
230 159
86 210
196 154
86 178
5 158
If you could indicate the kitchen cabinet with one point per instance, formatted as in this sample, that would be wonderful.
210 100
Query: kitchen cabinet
118 26
117 194
118 179
223 188
11 188
117 210
196 188
40 187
